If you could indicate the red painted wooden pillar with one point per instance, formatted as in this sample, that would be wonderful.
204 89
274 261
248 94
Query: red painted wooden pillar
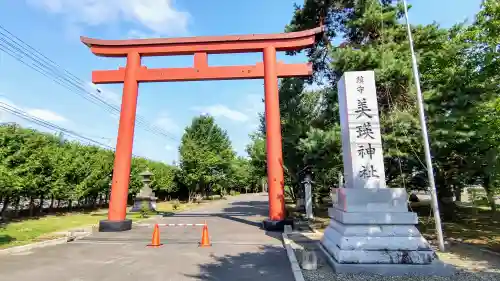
273 138
123 154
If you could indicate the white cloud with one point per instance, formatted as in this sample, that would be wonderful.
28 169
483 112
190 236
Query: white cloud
138 34
169 147
5 116
219 110
159 16
254 104
40 113
166 123
7 102
46 115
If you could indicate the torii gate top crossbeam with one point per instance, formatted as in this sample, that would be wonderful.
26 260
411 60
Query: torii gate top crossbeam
206 44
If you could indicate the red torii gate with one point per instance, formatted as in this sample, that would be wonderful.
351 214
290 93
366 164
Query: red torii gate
200 47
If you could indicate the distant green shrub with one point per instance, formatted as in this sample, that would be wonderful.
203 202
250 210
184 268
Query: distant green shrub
145 211
234 192
176 204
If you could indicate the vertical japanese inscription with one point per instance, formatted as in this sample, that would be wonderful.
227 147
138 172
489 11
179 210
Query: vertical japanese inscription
361 141
363 109
364 131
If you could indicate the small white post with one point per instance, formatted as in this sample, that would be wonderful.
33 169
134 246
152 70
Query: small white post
308 196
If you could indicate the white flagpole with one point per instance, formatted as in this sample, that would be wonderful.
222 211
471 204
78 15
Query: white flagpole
423 125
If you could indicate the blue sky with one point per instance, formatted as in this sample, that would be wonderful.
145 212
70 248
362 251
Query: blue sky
53 27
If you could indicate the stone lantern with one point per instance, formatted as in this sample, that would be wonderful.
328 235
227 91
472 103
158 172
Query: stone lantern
146 196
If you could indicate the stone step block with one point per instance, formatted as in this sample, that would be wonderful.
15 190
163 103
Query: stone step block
368 218
375 243
371 199
375 230
436 268
378 257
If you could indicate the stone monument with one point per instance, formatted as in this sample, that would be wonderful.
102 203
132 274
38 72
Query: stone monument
145 197
371 229
308 198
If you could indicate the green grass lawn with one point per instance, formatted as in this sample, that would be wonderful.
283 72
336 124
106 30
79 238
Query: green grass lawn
25 231
169 207
472 225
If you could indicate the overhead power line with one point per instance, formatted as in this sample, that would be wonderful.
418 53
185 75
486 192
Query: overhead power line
31 57
48 125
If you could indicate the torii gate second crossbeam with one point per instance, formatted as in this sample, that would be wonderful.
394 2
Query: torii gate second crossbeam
200 47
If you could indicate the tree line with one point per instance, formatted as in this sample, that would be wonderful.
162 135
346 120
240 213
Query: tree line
45 172
460 74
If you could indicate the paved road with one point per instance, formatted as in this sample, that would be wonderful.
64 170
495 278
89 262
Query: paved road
240 250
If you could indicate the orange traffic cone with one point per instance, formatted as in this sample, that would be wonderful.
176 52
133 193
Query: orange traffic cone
155 242
205 240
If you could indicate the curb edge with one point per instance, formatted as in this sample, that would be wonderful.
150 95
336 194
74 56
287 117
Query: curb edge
52 242
297 272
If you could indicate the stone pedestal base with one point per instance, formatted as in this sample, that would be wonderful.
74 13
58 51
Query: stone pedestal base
271 225
115 226
300 205
140 202
371 231
436 268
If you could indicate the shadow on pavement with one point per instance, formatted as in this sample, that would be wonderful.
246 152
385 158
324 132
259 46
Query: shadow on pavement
230 216
245 212
241 220
246 209
269 264
252 208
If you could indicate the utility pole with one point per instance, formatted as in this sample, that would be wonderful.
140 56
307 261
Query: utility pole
425 137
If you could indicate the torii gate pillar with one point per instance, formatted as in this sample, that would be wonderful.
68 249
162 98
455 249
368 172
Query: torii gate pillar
273 141
200 47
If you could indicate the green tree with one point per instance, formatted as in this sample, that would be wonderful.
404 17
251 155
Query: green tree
459 67
256 151
239 177
36 166
205 156
163 178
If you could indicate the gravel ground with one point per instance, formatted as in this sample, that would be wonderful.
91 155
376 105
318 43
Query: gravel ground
473 265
